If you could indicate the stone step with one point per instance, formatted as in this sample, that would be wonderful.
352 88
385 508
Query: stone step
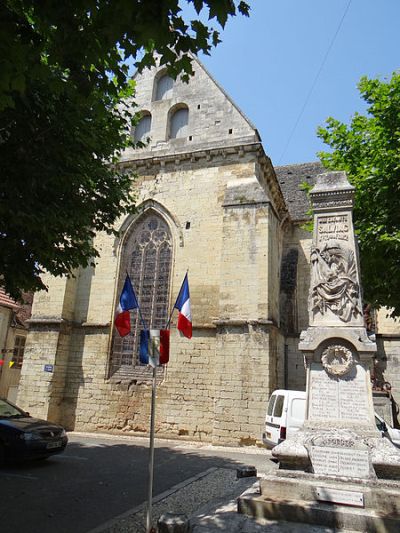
315 513
378 496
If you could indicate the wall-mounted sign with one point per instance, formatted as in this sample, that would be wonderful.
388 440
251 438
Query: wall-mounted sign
48 368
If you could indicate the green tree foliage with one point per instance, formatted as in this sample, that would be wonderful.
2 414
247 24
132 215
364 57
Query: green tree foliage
63 77
369 151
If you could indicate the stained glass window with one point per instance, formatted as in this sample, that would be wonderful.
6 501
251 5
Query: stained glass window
147 258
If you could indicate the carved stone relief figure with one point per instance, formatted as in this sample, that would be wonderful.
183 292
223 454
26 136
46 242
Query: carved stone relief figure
334 281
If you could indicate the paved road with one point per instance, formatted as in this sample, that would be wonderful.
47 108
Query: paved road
100 477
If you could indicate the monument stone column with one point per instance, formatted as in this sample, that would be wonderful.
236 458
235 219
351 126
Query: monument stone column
339 436
338 470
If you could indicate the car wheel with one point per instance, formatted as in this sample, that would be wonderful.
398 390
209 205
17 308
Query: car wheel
2 454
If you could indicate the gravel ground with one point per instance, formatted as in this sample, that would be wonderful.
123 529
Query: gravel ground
185 498
209 500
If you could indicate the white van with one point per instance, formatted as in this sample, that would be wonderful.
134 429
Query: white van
286 412
387 431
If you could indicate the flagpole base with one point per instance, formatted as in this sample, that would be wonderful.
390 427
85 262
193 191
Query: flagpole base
173 523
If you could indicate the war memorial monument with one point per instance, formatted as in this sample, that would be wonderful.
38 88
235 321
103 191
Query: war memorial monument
337 470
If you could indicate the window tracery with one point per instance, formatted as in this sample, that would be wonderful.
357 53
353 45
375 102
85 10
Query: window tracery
147 257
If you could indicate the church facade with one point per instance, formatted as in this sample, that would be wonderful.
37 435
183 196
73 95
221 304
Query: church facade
210 203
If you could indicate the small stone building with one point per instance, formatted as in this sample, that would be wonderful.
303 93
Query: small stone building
210 202
13 333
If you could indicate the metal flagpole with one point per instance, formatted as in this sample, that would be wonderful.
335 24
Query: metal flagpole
151 451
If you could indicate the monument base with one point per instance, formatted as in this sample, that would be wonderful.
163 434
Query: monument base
307 498
340 453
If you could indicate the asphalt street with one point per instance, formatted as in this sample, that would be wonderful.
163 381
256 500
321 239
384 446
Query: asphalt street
99 477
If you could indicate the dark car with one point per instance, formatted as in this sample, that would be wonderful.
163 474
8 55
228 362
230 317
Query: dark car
23 437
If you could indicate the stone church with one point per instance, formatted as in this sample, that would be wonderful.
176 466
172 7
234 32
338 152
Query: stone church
209 202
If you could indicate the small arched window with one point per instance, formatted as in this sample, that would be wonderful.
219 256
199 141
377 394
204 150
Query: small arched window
147 257
164 87
143 128
178 126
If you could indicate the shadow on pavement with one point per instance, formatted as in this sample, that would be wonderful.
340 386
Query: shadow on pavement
90 484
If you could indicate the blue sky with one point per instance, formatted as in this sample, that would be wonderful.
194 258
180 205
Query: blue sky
268 64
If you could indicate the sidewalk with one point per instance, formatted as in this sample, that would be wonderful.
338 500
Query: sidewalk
209 501
223 516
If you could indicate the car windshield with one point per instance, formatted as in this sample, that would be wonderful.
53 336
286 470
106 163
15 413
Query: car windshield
7 410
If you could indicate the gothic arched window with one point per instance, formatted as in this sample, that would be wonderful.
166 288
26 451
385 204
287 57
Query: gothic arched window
147 257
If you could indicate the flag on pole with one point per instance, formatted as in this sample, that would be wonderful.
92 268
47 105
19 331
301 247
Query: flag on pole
164 346
151 352
144 346
127 301
183 305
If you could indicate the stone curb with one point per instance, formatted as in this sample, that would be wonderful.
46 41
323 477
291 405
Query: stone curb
180 444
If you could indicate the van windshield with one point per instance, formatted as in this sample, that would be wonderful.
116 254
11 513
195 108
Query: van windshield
271 405
279 406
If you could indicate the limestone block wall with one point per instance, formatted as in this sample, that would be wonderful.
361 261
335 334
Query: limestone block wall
227 251
58 301
244 261
184 392
42 380
274 255
41 392
187 394
213 117
385 324
388 355
298 241
296 373
246 374
248 350
388 363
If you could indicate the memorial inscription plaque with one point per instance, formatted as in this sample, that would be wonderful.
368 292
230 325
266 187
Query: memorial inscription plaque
346 497
338 398
345 462
333 227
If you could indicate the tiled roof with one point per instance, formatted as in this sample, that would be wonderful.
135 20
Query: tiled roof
25 310
290 178
22 310
6 300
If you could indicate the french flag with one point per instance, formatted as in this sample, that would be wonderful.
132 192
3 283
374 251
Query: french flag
183 306
127 301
